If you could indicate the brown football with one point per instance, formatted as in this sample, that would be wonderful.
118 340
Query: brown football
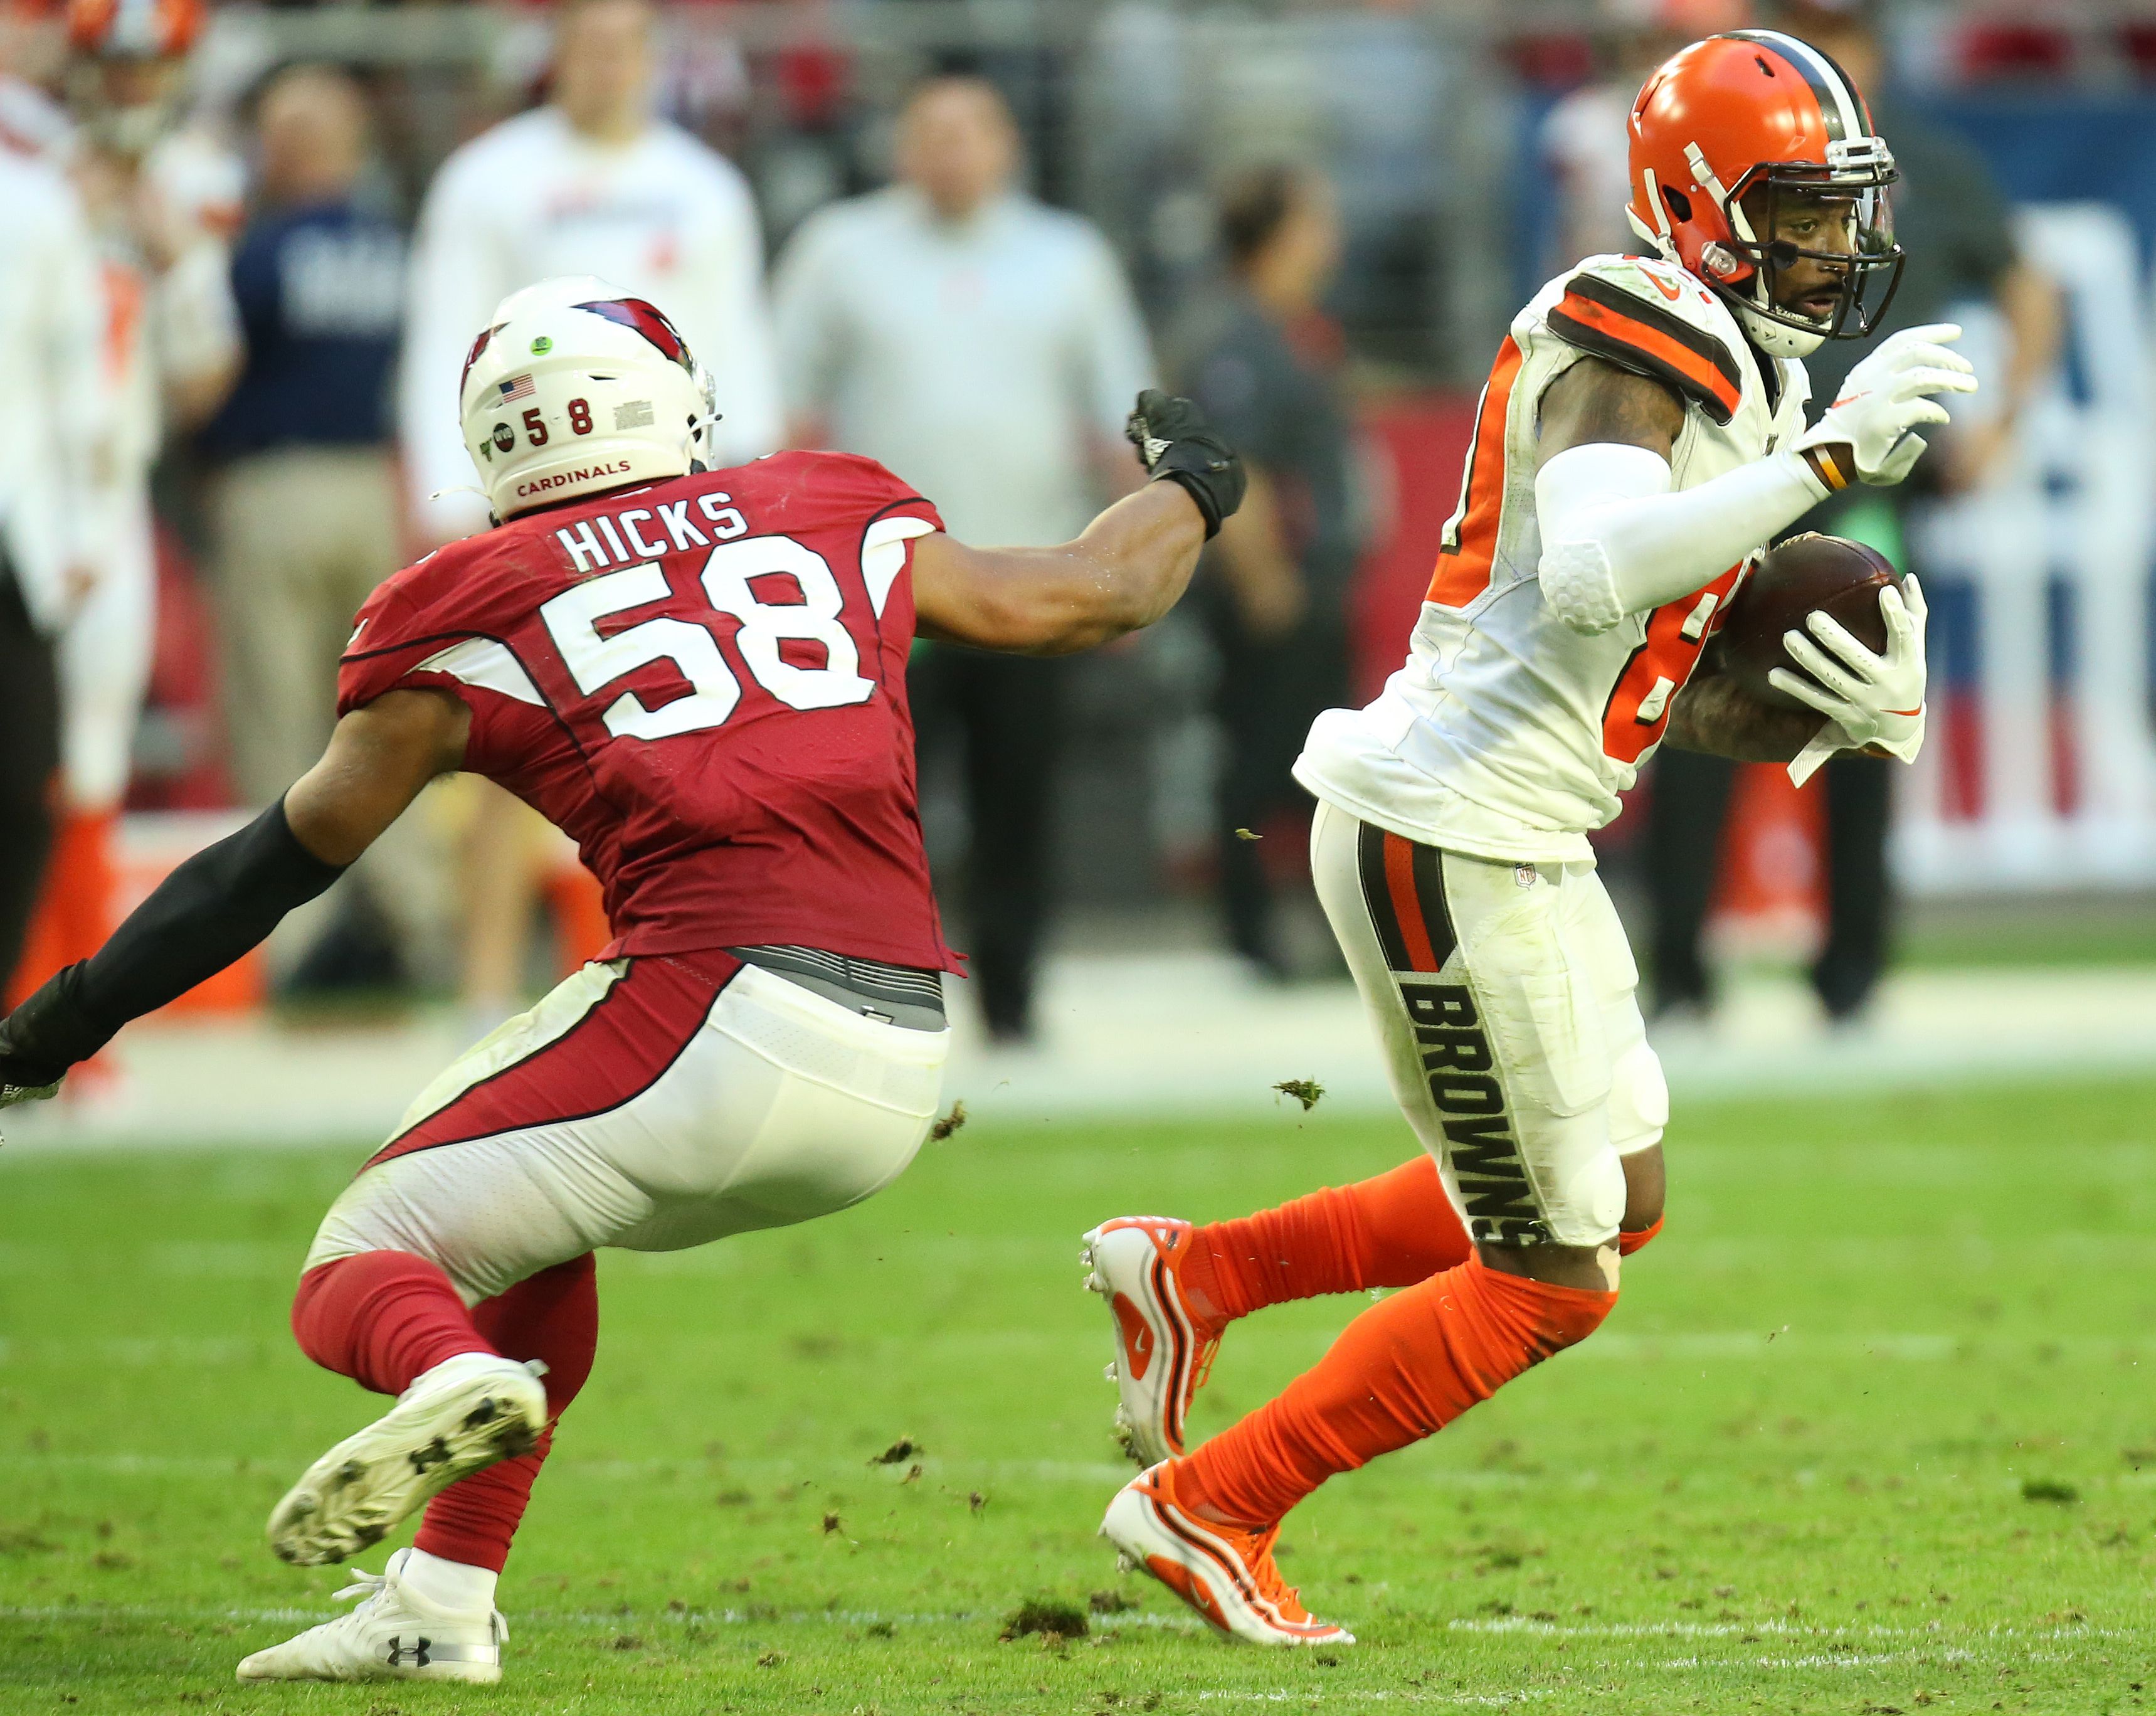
1804 574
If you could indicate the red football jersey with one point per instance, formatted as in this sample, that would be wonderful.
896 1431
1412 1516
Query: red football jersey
702 683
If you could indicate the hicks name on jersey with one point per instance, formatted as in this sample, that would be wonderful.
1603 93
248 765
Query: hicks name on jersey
617 538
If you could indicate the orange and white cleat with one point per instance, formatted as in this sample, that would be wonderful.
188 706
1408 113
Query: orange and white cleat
1163 1349
1226 1574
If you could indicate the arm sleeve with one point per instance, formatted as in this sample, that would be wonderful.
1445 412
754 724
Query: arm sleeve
216 906
743 360
455 282
1616 540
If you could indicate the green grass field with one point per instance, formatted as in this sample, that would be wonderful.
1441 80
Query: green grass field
1870 1430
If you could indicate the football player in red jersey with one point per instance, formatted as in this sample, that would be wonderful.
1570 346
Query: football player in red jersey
699 676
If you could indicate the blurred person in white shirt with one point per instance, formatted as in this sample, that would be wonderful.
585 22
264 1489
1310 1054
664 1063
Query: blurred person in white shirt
161 200
593 183
986 347
52 441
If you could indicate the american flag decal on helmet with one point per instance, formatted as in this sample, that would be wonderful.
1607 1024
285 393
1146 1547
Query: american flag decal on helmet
516 388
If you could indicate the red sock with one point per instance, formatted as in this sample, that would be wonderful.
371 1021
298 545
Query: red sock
553 1316
381 1317
1628 1243
1394 1230
1402 1370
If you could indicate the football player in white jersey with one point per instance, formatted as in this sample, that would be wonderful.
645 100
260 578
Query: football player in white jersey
1642 438
160 202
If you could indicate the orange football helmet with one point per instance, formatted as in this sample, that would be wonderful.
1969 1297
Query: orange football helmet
1753 109
134 30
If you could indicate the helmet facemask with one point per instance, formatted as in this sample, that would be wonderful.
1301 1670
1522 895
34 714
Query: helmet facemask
1772 210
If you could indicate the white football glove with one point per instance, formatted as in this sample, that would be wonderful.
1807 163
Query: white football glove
1871 703
1888 397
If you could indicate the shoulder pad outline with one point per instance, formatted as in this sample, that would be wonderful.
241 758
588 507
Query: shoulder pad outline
1637 326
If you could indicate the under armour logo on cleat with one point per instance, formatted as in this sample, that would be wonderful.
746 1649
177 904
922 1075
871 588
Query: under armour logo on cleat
398 1652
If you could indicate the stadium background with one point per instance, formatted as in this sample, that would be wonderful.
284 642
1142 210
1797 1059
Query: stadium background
2026 840
2027 834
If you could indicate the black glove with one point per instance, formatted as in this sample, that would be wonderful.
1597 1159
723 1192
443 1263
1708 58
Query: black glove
1174 440
28 1068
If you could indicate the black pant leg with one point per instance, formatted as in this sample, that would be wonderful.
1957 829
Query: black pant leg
29 758
1012 710
1270 690
1686 813
1859 895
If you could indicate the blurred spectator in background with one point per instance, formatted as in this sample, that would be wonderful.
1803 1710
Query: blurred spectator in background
304 497
1262 358
986 349
1953 220
1582 136
163 200
51 439
592 182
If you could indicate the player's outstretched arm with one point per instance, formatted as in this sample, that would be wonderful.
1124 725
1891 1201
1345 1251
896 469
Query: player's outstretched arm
228 897
1129 567
1618 540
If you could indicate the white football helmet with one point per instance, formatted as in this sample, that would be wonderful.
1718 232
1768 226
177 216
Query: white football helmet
575 387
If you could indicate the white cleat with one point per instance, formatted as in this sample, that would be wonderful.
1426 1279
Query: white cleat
463 1414
1163 1349
1227 1575
394 1634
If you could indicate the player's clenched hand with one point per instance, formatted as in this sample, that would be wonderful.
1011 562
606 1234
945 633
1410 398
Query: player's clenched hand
1871 702
1174 440
1888 398
22 1078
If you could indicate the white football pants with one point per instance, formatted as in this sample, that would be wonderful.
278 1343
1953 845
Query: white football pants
1503 998
653 1104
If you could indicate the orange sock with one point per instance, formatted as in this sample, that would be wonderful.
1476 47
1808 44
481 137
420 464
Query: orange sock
1402 1370
1628 1243
1394 1230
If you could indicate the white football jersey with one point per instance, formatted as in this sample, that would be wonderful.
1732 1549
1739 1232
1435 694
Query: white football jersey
1508 734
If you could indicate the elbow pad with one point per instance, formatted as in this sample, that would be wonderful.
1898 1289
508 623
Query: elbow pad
1580 587
1576 495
